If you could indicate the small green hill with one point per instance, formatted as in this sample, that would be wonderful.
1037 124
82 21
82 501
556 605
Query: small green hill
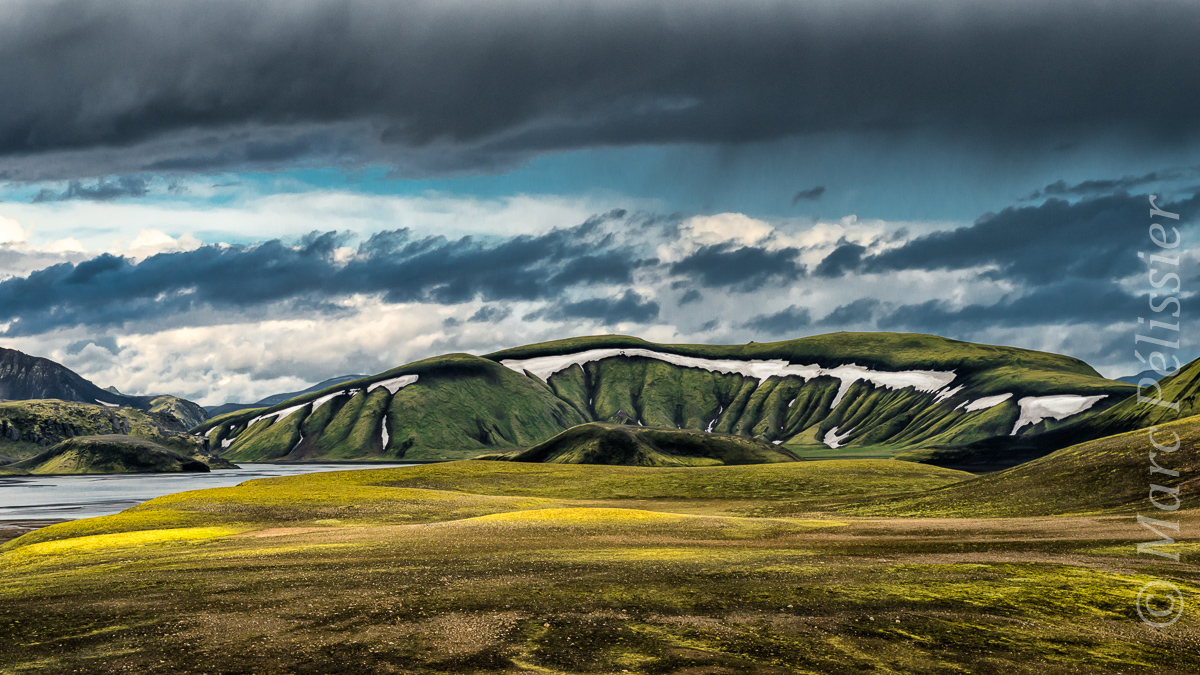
112 453
623 445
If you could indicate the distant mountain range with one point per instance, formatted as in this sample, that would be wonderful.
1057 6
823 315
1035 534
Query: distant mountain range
1145 374
24 377
842 394
224 408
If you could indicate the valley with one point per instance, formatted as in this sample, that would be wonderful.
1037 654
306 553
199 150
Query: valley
608 505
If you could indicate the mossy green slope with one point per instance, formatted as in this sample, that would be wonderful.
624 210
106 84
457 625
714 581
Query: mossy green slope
1107 475
463 405
1178 398
107 454
615 444
29 427
459 406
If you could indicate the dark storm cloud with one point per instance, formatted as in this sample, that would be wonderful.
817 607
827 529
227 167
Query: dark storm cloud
103 190
1062 188
690 297
745 268
490 314
844 258
858 312
1090 239
810 195
123 86
788 320
630 306
1060 303
110 290
108 344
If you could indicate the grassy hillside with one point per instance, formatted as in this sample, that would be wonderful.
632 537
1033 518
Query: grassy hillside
883 351
1106 475
462 406
616 444
514 568
29 428
1128 414
107 454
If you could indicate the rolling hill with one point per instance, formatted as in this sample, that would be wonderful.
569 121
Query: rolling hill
106 454
843 394
1106 475
1180 389
624 445
29 428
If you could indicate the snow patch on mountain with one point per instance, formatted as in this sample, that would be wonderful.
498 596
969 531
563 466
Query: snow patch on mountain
921 380
393 385
987 402
833 439
1034 409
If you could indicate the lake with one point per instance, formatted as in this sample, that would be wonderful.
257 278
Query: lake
87 496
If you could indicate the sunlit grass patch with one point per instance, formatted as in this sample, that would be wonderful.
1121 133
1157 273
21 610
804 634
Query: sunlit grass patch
585 516
104 542
126 521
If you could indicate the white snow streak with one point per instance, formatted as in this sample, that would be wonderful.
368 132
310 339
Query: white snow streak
921 380
987 402
1034 409
106 403
278 415
385 432
833 439
947 393
393 385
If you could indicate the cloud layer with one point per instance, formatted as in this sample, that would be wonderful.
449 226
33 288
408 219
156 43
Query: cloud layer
122 87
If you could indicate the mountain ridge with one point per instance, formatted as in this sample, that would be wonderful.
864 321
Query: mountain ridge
885 392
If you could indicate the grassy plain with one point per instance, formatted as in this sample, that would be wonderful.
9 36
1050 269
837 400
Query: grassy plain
498 567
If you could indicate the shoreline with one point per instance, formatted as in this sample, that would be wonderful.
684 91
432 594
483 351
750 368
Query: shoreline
11 529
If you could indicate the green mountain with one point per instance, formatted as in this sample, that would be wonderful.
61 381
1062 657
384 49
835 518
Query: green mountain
106 454
29 428
843 394
625 445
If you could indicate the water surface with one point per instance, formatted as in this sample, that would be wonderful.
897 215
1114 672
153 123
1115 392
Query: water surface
71 497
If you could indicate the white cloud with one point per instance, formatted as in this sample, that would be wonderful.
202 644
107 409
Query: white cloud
68 245
140 228
11 232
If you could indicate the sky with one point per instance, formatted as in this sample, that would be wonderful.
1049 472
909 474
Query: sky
226 200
